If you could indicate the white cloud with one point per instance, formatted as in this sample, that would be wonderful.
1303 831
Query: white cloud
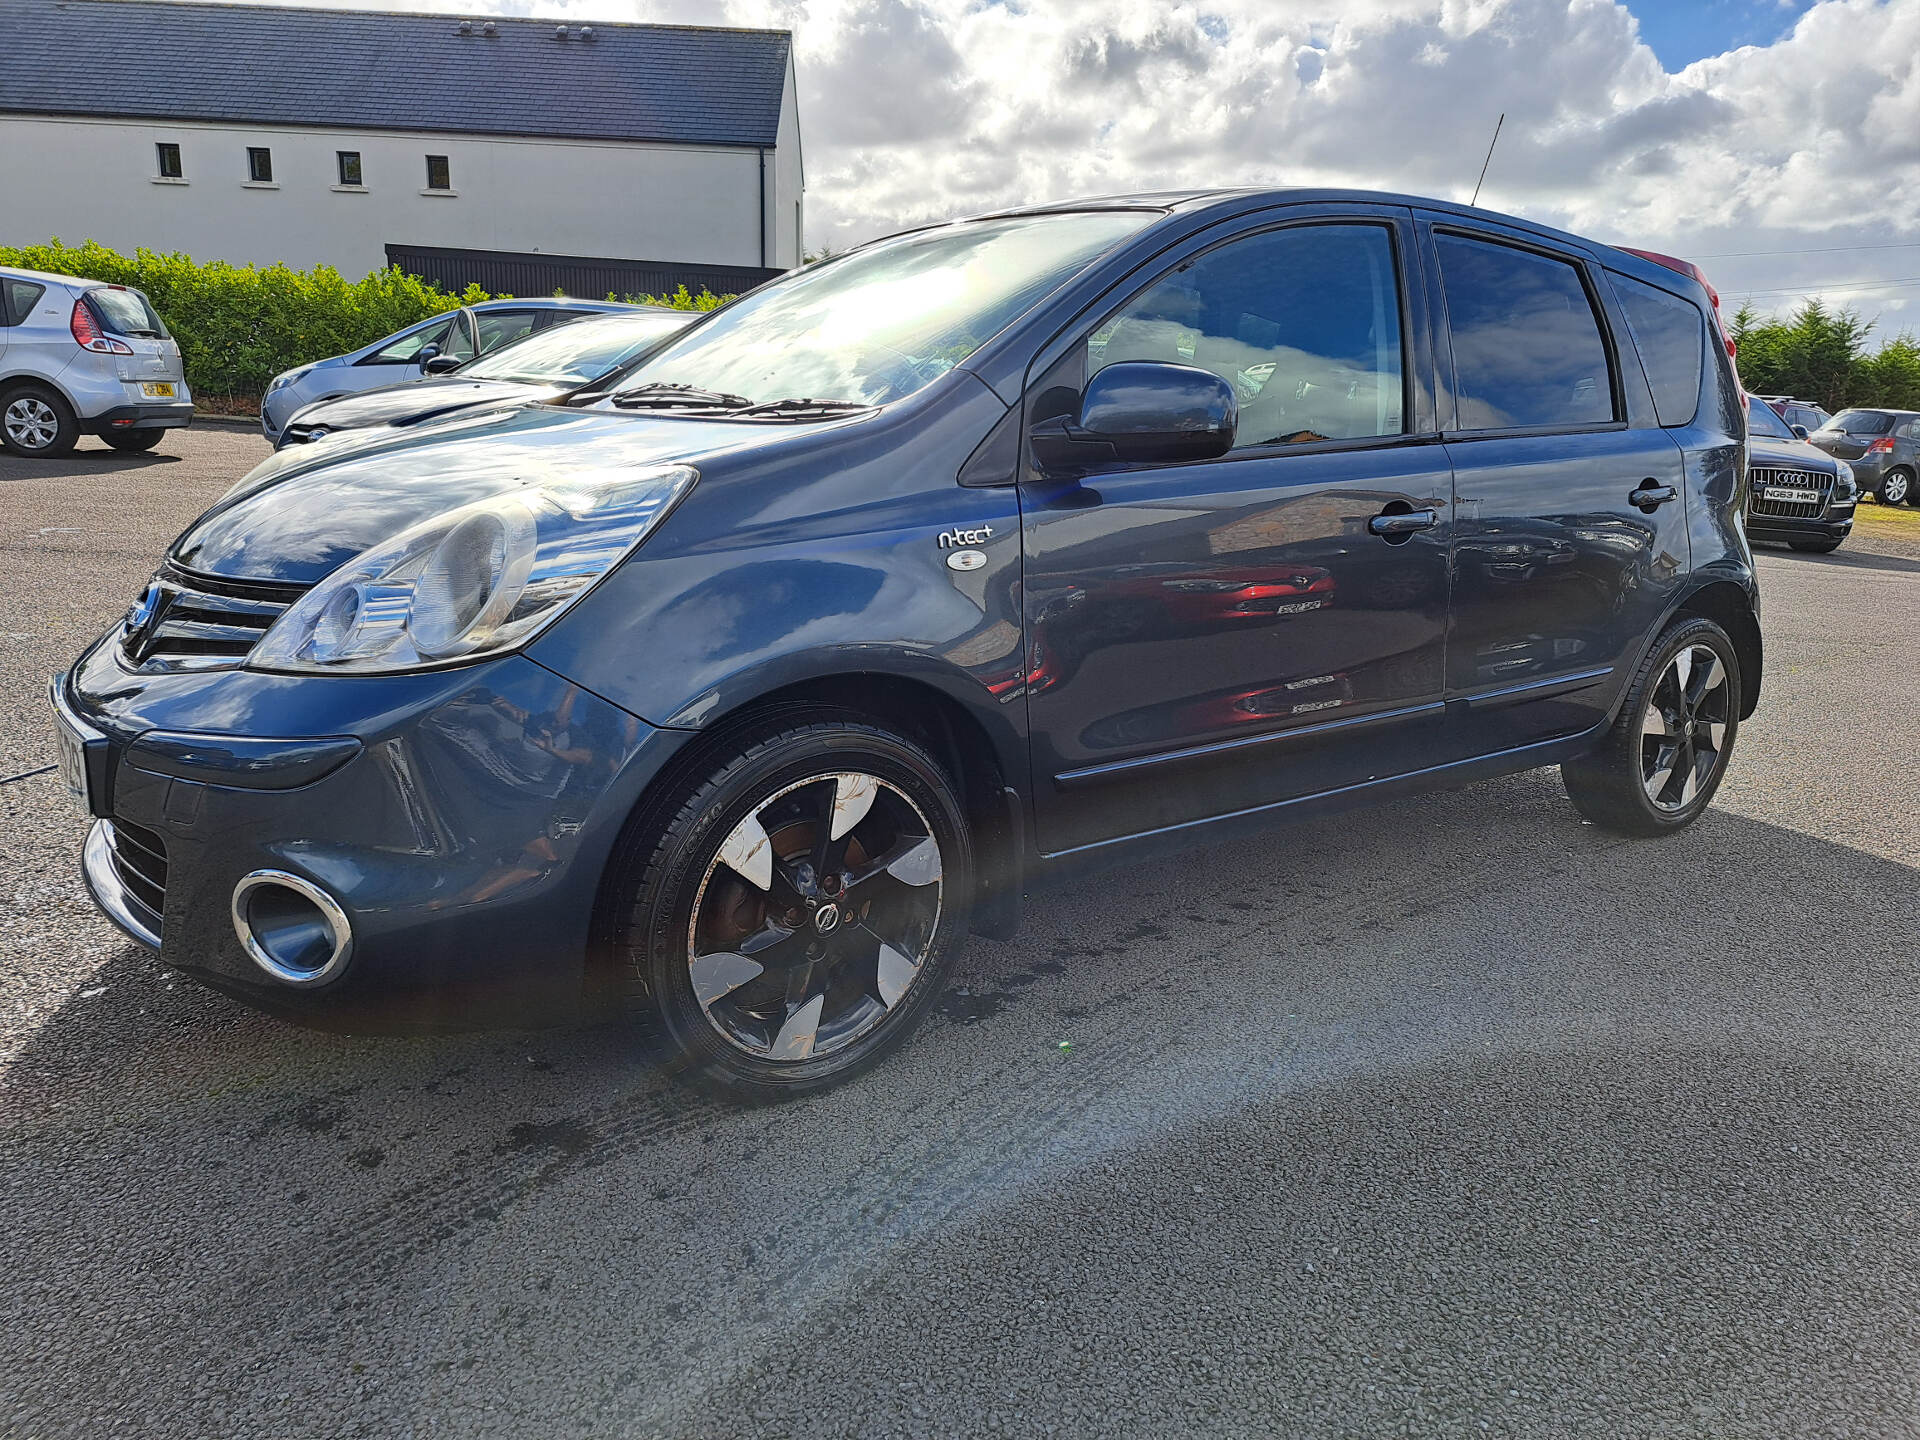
920 109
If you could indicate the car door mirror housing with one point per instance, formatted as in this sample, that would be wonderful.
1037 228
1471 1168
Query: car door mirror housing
1140 411
426 355
1799 432
440 364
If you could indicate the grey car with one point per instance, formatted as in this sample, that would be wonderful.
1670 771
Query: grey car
80 357
431 347
1882 446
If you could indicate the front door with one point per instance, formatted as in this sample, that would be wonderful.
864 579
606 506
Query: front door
1214 637
1570 536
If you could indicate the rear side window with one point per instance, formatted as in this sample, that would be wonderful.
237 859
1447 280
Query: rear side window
126 312
1527 352
1668 332
1861 422
17 299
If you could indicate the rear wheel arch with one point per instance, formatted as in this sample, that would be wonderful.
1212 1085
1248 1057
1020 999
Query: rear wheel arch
1728 605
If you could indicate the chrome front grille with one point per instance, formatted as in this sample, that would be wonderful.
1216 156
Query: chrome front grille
1788 509
139 858
193 623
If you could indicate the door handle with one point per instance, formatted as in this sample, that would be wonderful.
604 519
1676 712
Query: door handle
1650 495
1401 524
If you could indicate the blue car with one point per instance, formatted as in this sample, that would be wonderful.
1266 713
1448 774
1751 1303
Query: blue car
740 696
435 346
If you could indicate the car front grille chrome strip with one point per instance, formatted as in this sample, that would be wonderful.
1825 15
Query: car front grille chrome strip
1764 478
186 623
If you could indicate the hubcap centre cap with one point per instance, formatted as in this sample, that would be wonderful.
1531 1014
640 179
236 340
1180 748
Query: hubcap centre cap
827 919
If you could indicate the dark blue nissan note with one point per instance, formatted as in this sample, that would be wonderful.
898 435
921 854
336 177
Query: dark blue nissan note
743 695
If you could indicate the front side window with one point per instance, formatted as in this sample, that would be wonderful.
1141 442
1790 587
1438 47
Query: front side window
1527 347
349 167
259 164
1668 332
1304 323
439 173
883 322
404 347
167 157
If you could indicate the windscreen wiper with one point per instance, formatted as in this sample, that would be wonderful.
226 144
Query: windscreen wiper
778 408
672 395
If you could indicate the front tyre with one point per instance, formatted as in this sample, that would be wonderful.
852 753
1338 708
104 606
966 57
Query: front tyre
1665 756
800 911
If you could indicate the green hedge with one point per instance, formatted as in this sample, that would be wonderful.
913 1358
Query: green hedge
238 325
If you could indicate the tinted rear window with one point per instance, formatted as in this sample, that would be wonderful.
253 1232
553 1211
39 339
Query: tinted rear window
125 312
1860 422
1527 352
1667 331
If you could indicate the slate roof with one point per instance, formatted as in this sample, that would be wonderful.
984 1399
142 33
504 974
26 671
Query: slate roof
361 70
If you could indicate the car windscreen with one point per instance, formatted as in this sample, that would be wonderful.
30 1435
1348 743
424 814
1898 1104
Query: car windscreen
1762 421
883 322
125 312
574 353
1860 422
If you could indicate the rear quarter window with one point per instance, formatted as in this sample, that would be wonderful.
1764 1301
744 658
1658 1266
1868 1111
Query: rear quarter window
17 299
1669 333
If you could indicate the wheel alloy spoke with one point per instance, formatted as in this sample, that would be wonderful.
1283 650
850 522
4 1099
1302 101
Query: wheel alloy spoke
1655 722
795 1040
894 975
718 975
1716 735
853 797
749 854
914 861
1712 676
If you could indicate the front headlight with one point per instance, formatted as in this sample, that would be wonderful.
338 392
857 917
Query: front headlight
474 582
1844 486
287 377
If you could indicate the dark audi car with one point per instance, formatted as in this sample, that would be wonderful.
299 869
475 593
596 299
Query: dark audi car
982 553
1796 495
562 363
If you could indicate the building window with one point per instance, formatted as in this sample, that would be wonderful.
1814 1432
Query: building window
168 155
439 176
259 165
349 167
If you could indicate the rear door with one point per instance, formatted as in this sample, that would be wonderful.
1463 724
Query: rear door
1570 536
1213 637
153 371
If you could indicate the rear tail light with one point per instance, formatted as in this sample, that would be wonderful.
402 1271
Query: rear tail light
88 335
1882 446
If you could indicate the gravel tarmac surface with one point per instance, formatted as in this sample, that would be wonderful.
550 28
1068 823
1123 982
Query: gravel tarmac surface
1451 1117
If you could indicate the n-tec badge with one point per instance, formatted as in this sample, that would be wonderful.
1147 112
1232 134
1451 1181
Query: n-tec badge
955 538
966 559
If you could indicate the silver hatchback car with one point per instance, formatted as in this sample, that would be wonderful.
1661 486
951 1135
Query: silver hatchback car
79 357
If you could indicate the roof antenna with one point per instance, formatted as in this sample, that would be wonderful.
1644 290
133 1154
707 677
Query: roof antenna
1489 160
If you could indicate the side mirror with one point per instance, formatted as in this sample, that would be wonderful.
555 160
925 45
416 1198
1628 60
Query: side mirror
424 354
1799 432
440 364
1141 411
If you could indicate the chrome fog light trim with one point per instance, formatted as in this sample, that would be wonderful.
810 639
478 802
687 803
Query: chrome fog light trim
293 929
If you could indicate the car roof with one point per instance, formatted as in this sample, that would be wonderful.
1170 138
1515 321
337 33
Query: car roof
1229 202
548 302
74 281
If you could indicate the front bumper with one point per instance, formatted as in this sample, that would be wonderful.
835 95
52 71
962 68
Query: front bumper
461 820
1835 524
162 415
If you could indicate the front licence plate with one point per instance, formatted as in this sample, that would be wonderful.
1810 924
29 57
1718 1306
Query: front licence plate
157 390
73 761
1791 497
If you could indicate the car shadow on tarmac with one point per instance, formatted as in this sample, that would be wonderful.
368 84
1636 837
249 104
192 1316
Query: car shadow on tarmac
1455 1109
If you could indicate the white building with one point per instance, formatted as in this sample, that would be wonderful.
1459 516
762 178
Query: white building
523 154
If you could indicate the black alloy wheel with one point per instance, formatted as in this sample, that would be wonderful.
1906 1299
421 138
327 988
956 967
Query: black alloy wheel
799 913
1666 753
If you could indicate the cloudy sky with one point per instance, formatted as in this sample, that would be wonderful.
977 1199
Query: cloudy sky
1777 141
